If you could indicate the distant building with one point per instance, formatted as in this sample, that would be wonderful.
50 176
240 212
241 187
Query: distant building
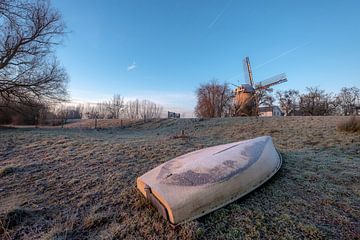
173 115
270 111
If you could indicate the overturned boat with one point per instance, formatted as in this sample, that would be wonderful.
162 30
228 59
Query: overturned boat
194 184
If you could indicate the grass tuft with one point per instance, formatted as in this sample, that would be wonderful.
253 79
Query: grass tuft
7 170
350 125
96 220
14 217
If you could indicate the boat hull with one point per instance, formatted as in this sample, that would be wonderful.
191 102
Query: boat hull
194 184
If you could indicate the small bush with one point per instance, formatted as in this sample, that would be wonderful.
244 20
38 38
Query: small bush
350 125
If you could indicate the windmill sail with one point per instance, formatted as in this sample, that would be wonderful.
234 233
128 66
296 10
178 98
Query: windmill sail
247 71
277 79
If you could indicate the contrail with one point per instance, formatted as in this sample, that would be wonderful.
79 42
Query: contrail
216 19
272 60
281 55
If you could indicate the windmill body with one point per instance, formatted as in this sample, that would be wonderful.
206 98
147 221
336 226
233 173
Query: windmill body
246 99
245 103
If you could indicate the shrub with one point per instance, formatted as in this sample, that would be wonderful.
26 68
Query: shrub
350 125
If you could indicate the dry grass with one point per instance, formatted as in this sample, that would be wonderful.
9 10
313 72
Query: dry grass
7 170
103 123
350 125
80 183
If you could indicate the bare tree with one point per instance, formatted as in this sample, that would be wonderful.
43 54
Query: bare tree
115 106
65 112
29 72
75 112
149 110
24 114
111 109
132 109
62 113
348 98
265 97
144 109
289 101
213 100
317 103
102 110
92 112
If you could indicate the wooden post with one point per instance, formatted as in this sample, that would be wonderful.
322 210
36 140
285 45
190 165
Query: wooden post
36 121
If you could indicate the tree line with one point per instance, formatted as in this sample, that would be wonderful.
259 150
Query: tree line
117 108
318 102
215 99
59 114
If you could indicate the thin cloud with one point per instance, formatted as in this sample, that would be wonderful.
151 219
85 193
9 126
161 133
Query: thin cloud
131 67
281 55
217 18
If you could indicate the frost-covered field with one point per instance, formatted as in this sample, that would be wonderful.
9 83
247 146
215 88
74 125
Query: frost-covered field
80 183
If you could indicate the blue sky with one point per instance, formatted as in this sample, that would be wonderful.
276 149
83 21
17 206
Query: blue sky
163 50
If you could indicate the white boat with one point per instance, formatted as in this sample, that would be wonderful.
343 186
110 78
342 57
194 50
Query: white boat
194 184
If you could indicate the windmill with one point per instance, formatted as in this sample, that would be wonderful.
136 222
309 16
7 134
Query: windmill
247 95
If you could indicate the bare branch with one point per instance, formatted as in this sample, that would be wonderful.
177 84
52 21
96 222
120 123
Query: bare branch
28 31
